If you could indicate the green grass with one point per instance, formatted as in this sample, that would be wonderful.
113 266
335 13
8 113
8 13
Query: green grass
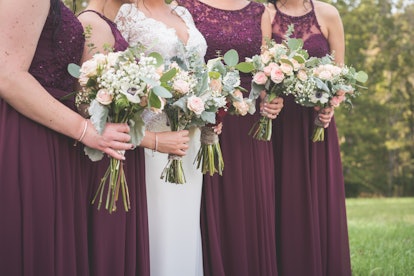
381 236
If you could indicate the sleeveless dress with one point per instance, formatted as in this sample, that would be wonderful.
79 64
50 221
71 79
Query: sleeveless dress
118 242
311 224
43 226
173 210
238 211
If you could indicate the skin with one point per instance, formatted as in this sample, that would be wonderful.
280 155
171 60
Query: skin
168 142
331 27
19 35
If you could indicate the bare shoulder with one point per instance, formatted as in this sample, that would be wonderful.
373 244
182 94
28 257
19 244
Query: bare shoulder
326 10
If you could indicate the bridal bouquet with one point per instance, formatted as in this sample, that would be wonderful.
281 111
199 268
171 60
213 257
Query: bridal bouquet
192 104
276 70
224 81
117 87
328 85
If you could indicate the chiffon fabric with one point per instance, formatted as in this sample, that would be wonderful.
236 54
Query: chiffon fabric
173 210
311 224
118 242
238 208
43 218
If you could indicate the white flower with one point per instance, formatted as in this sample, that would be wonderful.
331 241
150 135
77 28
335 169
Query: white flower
133 93
319 96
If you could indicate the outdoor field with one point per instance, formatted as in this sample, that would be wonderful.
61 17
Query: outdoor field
381 234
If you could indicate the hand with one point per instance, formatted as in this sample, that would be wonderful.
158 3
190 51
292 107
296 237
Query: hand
271 109
113 141
218 128
325 115
173 142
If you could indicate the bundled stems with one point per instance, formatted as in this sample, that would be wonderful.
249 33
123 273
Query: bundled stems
209 156
262 129
319 131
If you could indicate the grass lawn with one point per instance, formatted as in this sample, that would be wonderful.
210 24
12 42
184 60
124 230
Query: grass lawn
381 236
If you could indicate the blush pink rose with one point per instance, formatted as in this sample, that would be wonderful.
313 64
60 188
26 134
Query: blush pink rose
260 78
104 97
195 104
277 75
302 75
215 85
286 68
181 86
241 107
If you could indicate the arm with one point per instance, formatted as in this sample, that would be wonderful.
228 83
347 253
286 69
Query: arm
273 108
19 35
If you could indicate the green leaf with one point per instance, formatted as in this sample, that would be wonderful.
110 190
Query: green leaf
93 154
99 115
361 76
154 100
74 70
168 75
214 75
209 117
161 91
295 44
158 57
231 57
137 128
245 67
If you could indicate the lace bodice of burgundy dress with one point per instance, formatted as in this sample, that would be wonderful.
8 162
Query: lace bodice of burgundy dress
55 50
306 28
120 43
224 30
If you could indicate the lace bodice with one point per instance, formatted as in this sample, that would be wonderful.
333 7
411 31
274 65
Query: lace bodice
157 37
306 28
137 28
55 50
229 29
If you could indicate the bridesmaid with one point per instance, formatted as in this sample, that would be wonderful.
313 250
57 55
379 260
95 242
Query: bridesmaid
118 242
311 224
238 217
43 226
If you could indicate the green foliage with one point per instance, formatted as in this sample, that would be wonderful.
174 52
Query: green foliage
381 236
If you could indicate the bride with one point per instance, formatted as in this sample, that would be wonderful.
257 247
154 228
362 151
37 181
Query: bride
173 210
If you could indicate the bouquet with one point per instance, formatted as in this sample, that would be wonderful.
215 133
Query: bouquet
276 70
192 104
224 81
117 87
328 85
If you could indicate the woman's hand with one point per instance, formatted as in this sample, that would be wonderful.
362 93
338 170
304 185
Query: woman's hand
113 140
173 142
270 109
218 128
325 115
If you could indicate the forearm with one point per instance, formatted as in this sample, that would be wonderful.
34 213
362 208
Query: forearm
29 98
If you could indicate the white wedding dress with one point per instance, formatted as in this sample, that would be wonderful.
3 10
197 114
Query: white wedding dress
173 209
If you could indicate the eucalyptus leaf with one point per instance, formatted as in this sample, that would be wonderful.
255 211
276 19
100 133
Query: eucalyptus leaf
158 58
161 91
168 75
255 91
245 67
154 100
295 44
231 57
74 70
361 76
